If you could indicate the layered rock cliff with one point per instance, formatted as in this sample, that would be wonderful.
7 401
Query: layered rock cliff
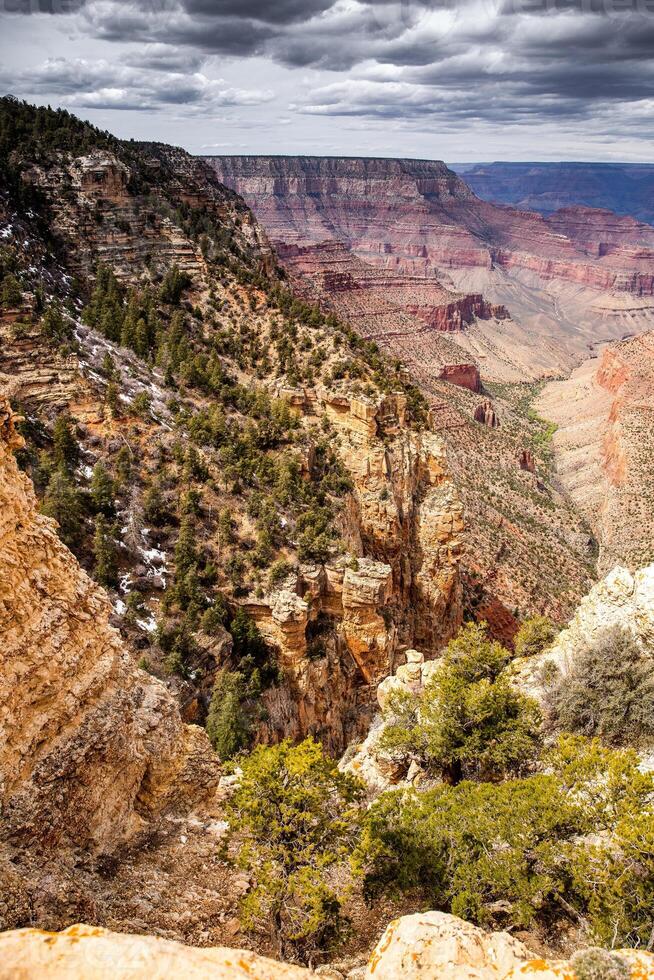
416 218
339 627
91 746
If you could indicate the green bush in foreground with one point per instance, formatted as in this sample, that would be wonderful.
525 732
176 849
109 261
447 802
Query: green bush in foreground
503 854
296 817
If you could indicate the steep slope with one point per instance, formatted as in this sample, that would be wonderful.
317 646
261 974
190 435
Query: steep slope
625 188
603 446
256 486
416 218
91 746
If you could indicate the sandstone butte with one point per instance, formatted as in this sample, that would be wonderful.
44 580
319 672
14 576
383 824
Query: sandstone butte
425 946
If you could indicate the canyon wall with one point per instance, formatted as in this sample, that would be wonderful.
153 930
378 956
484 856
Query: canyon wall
604 446
91 746
339 627
405 251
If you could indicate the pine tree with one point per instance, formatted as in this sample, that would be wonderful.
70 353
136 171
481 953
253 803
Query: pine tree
105 554
298 816
62 502
66 450
12 295
111 399
186 554
225 527
124 464
228 726
54 326
154 506
103 490
109 366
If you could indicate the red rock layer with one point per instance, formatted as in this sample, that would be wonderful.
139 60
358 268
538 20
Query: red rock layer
415 216
463 375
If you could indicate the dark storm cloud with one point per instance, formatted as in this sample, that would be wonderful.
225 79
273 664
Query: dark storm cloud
494 60
279 12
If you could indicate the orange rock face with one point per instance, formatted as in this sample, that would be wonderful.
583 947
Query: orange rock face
463 375
604 446
90 746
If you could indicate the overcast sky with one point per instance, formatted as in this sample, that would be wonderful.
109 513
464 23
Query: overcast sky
459 81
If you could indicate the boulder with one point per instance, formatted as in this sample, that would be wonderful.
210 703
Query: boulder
438 946
639 962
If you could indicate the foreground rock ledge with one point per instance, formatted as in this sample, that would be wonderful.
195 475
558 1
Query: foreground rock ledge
438 946
90 953
425 946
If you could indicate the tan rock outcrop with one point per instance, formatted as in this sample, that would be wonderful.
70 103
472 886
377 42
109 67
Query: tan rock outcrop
90 953
367 760
90 746
438 946
620 599
404 527
424 946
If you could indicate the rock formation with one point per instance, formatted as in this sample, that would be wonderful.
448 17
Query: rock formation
424 946
376 768
84 953
400 584
437 946
91 747
486 415
464 375
130 235
620 599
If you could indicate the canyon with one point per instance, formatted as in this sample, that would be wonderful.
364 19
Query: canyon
414 259
335 625
474 295
603 446
256 470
